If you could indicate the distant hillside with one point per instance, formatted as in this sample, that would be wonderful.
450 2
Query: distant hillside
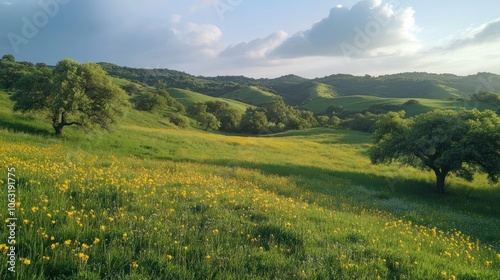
251 95
389 86
172 78
360 103
303 93
413 85
300 91
187 97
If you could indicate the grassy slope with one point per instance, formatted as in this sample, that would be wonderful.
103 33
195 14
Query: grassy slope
251 95
187 98
202 205
362 102
319 90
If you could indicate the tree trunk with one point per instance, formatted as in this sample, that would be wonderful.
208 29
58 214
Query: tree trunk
59 121
440 180
56 124
58 129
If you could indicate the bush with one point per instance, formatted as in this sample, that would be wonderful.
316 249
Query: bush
208 121
179 120
411 102
486 97
148 101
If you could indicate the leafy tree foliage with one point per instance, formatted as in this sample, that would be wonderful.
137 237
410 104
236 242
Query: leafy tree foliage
148 101
445 141
326 121
208 121
361 122
179 120
197 108
486 97
12 71
334 109
9 58
277 111
253 121
229 119
71 94
131 88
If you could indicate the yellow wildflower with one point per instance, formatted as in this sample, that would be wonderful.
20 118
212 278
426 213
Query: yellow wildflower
134 265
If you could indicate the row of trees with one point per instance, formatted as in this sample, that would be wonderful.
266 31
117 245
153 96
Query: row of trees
274 116
147 99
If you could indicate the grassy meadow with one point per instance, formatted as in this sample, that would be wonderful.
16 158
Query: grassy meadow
152 201
251 95
363 102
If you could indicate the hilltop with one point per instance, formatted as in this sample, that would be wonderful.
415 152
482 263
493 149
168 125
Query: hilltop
316 95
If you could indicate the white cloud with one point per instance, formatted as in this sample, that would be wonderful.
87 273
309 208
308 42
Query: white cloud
368 28
257 48
198 34
485 33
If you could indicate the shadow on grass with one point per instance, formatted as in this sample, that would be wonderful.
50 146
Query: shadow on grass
21 126
373 190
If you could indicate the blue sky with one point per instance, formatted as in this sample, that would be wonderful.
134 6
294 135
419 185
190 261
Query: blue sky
259 38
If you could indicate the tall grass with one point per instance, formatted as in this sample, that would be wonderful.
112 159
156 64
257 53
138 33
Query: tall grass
158 202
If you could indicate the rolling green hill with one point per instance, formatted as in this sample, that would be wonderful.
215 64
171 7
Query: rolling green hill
363 102
187 97
152 201
304 92
297 90
251 95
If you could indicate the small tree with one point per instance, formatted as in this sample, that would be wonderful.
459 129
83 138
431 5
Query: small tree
445 141
253 121
71 94
148 101
277 111
208 121
230 119
8 57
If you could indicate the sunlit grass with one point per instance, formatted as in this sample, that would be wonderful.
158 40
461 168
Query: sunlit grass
118 215
158 202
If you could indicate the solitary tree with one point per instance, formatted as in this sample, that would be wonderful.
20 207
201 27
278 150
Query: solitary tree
445 141
71 94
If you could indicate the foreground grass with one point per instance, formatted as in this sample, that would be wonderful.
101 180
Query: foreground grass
151 201
164 203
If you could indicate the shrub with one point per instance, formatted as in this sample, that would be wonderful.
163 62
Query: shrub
179 120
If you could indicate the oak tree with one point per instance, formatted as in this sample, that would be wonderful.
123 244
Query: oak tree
460 142
71 94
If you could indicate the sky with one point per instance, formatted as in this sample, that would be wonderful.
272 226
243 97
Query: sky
257 38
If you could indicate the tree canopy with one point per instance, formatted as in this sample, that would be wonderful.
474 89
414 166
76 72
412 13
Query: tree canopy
461 142
71 94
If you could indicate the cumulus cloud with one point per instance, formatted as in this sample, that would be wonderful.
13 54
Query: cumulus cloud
370 27
257 48
485 33
200 34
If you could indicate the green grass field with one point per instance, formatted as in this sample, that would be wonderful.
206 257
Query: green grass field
363 102
187 97
251 95
152 201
